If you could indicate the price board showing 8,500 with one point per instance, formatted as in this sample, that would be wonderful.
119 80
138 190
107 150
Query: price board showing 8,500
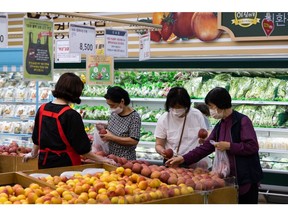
82 39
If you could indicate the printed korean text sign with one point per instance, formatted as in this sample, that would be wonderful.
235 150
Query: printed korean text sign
249 26
38 50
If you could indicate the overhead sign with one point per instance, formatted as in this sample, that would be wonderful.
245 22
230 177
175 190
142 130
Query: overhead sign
82 39
116 43
248 26
99 70
3 30
62 53
38 49
144 46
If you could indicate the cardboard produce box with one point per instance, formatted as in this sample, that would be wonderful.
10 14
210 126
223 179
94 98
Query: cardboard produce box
14 163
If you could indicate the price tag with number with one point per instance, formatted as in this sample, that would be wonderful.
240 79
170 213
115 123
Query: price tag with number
82 39
3 30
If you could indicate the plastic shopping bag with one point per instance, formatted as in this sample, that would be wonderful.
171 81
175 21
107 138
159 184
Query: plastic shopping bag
221 163
99 144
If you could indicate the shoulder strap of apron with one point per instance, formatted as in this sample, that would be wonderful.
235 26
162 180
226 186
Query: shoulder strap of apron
75 158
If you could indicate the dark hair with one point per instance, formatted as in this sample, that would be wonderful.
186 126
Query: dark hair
116 94
69 87
220 97
203 108
178 95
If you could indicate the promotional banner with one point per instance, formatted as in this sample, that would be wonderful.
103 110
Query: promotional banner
144 46
82 39
99 70
116 43
3 30
62 53
249 26
38 49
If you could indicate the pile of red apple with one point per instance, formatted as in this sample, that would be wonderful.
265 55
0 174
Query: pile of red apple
13 149
198 178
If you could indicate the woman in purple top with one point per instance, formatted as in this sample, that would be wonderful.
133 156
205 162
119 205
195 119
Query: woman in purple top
234 133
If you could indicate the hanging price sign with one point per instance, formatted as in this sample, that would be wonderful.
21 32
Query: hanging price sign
144 47
116 43
82 39
3 30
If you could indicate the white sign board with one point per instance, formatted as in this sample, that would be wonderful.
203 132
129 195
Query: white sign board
62 53
116 43
82 39
144 47
3 30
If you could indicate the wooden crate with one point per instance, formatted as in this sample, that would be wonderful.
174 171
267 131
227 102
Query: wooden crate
31 164
225 195
58 170
12 178
14 163
194 198
7 163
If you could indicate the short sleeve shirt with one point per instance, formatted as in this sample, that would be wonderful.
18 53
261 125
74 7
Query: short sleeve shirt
169 127
124 126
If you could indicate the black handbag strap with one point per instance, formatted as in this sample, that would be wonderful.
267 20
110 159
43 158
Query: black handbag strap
181 134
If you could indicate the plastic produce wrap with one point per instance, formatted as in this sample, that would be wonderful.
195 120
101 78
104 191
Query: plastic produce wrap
192 86
258 89
221 163
245 83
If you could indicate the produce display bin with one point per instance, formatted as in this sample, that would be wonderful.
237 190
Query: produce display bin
194 198
224 195
12 178
14 163
7 163
58 170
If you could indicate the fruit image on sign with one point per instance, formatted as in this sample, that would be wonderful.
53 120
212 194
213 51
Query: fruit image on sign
185 26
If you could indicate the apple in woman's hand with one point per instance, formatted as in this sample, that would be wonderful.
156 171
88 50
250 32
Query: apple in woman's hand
202 133
168 153
102 131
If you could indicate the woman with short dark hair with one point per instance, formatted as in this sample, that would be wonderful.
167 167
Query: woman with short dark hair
235 134
59 136
124 124
178 127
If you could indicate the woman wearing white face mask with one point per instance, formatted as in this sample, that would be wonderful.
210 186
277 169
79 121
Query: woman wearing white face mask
123 129
178 128
234 133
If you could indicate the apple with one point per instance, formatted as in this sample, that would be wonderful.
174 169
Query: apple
202 133
102 131
168 153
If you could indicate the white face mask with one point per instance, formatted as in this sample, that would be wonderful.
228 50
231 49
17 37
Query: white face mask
178 112
215 114
116 110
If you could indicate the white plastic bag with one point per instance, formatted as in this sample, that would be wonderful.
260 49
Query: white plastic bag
221 163
99 144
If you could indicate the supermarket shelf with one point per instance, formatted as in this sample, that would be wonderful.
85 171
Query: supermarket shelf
16 135
278 151
282 130
162 100
275 171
